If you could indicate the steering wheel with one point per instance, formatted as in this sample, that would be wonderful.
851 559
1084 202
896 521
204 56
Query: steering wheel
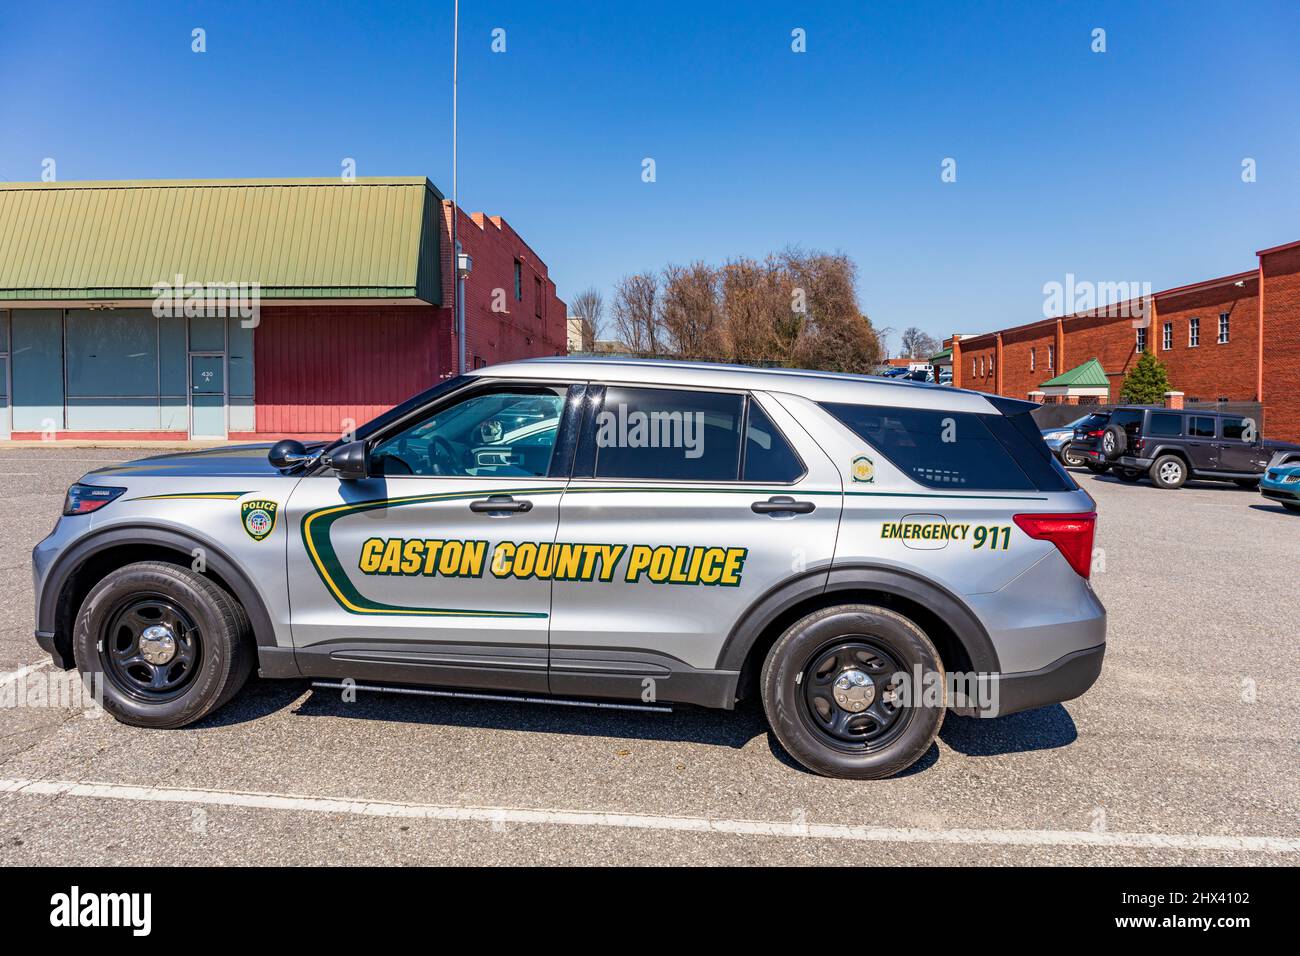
442 457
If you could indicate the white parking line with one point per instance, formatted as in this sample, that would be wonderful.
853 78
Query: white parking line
769 828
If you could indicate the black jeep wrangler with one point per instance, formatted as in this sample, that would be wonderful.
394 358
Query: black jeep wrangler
1171 445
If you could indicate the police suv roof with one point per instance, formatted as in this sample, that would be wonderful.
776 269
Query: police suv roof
814 385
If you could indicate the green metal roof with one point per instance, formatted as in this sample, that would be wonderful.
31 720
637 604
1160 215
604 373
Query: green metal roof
1088 375
298 238
940 356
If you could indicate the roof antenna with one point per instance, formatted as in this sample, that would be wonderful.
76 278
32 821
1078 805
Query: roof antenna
458 290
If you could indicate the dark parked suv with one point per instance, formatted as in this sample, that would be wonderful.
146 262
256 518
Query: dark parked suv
1171 445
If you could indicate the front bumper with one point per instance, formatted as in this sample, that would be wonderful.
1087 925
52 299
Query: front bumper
62 658
1279 491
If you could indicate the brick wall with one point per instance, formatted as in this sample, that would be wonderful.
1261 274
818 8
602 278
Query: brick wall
499 327
1110 339
323 369
1281 396
1210 371
978 370
1018 379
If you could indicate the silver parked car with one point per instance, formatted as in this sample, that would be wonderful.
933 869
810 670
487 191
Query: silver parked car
862 555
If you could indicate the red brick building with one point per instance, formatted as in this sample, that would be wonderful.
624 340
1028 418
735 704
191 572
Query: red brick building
354 288
1232 339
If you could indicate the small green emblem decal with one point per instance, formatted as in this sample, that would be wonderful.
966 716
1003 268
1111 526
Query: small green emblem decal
864 469
259 517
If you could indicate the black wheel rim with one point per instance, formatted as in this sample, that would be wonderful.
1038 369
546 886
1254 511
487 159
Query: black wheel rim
880 721
144 662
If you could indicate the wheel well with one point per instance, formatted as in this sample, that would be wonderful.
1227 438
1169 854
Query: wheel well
98 566
952 652
1176 452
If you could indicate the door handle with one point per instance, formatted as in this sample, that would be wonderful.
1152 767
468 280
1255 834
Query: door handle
782 504
499 505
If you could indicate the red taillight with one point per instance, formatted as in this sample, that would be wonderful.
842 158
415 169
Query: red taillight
1096 433
1072 535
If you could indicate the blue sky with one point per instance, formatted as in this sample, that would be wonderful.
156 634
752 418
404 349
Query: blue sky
1115 166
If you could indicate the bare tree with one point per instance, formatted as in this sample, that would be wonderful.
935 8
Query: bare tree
691 311
791 309
883 334
754 306
835 336
916 344
588 306
637 322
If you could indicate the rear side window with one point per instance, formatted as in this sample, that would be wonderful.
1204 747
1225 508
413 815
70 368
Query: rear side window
1125 419
668 435
957 450
1201 427
1164 425
768 456
1234 428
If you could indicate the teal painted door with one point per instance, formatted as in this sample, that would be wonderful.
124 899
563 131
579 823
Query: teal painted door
207 396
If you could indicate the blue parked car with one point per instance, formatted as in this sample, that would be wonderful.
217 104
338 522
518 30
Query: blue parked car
1282 484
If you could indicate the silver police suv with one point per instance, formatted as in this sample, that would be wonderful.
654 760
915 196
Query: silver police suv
860 554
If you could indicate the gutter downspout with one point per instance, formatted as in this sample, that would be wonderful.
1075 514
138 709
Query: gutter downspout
997 364
1259 342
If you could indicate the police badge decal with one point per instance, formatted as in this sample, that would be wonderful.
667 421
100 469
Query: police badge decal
259 517
864 469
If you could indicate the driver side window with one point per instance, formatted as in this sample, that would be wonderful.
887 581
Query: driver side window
506 432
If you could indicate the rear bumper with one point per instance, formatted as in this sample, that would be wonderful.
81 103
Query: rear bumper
1063 679
1128 461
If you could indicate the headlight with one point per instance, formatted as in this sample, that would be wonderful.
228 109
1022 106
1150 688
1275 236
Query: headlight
83 499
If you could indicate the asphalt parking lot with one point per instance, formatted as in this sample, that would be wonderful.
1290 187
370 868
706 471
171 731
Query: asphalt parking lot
1184 752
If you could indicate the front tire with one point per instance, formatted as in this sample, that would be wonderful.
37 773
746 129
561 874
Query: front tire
170 645
837 692
1169 471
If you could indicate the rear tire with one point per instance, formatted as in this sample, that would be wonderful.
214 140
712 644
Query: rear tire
1096 467
875 652
1247 483
1169 471
1072 458
169 645
1128 474
1291 507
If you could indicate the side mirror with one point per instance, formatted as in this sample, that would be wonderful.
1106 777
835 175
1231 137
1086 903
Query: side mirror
350 461
287 453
